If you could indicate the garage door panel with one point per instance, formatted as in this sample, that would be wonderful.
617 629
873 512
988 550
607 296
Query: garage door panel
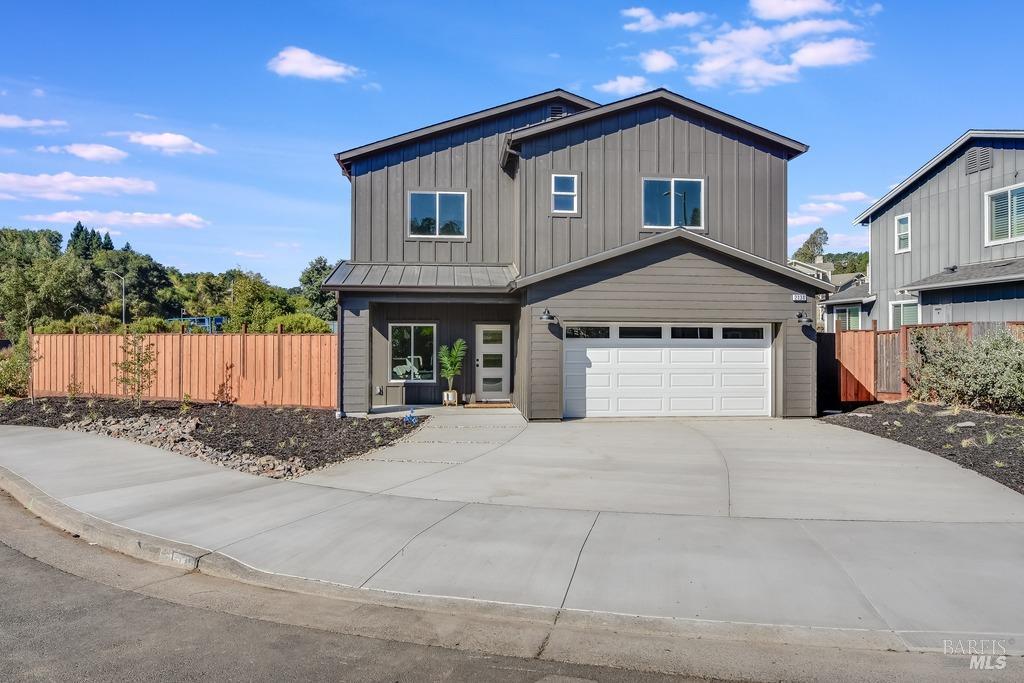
740 379
652 377
694 356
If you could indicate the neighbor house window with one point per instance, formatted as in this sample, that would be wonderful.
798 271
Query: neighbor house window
902 233
673 203
437 214
847 317
903 313
564 194
412 352
1004 215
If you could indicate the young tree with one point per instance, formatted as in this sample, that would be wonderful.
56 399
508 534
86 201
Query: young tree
321 303
813 247
137 369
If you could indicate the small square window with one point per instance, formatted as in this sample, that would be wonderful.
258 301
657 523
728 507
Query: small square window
586 333
564 194
492 336
412 353
437 214
742 333
492 383
639 333
673 203
493 360
693 333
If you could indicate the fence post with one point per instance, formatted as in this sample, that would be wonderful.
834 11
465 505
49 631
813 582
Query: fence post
904 359
31 365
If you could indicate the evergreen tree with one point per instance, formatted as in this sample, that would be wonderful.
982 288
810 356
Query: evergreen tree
108 244
127 246
79 237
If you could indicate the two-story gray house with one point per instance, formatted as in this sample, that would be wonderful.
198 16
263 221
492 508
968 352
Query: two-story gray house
626 259
946 244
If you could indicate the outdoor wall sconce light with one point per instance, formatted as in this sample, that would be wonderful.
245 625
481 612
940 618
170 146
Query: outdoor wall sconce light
547 317
802 318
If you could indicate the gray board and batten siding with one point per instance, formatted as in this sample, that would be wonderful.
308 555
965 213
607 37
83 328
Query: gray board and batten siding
947 209
465 159
745 183
678 281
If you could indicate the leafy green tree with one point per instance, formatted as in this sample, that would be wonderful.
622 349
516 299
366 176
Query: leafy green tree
813 246
322 304
254 302
849 261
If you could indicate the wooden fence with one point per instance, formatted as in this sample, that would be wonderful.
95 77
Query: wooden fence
871 365
250 369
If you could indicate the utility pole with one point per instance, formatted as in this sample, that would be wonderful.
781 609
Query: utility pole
124 320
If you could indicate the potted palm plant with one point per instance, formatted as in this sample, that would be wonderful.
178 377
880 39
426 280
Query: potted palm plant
450 358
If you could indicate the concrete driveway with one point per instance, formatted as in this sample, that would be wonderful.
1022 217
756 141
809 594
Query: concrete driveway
794 524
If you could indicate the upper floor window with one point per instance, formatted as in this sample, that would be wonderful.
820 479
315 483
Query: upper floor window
673 203
564 194
437 214
902 233
1004 215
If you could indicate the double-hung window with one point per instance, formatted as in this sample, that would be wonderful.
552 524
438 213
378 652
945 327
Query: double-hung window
847 317
564 193
413 356
437 214
903 313
673 203
902 233
1004 215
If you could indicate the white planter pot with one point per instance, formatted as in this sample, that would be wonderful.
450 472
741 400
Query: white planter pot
450 398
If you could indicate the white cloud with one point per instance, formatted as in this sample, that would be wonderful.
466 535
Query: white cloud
38 92
287 245
170 144
869 11
840 241
372 87
296 61
69 186
624 86
15 121
249 254
779 10
824 208
832 53
856 196
754 57
7 151
554 55
657 61
141 115
89 152
802 219
134 219
646 21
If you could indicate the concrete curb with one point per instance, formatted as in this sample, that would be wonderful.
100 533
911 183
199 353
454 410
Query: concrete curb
123 540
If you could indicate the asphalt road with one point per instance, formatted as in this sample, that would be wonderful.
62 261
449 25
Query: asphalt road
55 625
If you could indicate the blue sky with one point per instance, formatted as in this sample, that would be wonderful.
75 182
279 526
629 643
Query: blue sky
203 132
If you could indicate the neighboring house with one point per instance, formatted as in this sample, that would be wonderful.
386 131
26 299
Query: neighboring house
600 260
947 243
849 308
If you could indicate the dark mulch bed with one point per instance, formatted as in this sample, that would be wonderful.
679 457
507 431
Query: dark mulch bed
993 446
316 437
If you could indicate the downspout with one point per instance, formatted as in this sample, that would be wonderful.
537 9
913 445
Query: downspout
340 412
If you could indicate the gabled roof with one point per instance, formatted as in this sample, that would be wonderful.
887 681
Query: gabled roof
990 272
676 233
421 277
854 292
558 94
668 97
972 134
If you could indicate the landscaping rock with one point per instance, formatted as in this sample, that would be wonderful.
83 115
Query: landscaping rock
963 425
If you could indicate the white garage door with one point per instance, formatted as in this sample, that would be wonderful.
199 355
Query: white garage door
636 370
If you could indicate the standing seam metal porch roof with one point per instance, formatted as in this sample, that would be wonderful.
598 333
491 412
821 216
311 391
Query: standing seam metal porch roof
421 277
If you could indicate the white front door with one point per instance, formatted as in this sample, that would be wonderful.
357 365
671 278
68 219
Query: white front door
680 369
492 352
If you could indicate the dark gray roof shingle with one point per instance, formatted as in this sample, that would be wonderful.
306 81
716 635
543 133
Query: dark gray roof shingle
853 293
1008 270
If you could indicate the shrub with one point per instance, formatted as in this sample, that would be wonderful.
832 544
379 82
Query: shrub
51 326
149 325
15 368
987 374
94 322
298 323
137 369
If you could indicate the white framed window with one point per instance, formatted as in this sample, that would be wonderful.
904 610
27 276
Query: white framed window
438 215
847 317
902 233
413 355
673 203
903 313
1004 215
565 193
